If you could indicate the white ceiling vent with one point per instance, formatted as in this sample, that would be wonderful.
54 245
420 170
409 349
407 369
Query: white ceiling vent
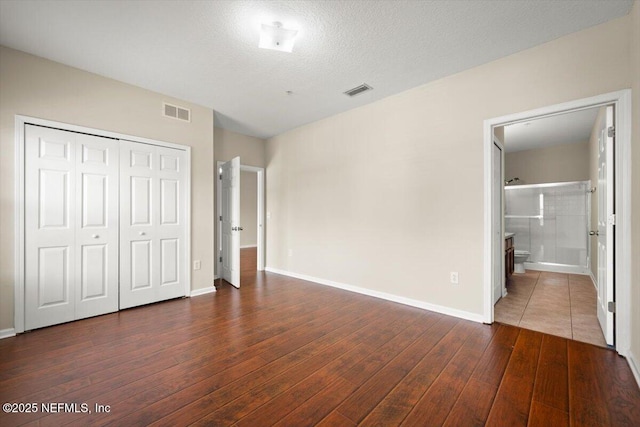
358 90
175 112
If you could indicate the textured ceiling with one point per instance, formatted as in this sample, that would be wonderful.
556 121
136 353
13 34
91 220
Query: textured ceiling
207 52
567 128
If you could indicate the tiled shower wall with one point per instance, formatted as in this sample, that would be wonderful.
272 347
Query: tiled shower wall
550 221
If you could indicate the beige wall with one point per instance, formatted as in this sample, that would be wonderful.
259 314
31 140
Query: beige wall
560 163
249 208
251 150
40 88
593 175
389 196
635 205
498 132
231 144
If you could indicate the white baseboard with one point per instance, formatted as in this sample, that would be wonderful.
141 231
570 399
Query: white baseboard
248 246
634 365
202 291
383 295
593 280
6 333
556 268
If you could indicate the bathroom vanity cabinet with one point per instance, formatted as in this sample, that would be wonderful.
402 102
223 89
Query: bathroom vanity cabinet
509 252
509 256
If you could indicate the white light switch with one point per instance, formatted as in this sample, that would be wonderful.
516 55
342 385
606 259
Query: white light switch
197 265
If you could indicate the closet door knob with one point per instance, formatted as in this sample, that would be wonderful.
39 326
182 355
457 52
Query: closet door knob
95 236
142 233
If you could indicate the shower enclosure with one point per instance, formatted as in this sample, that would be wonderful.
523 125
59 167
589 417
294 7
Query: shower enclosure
551 222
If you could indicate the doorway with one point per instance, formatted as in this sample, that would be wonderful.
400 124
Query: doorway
620 269
250 248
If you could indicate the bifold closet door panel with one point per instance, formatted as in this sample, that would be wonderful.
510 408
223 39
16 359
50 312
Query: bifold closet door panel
50 251
152 229
71 226
97 225
171 227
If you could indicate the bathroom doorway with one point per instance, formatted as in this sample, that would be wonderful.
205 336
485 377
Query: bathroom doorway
553 295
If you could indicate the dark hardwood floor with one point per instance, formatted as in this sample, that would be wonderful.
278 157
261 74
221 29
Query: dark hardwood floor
281 351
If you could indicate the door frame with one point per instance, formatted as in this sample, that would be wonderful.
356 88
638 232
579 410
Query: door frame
19 156
261 220
622 158
503 283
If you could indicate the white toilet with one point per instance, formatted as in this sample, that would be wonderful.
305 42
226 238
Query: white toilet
519 259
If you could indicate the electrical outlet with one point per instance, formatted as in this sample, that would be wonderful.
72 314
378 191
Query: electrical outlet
454 277
197 265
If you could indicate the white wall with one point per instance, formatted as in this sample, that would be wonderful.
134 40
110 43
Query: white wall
389 197
37 87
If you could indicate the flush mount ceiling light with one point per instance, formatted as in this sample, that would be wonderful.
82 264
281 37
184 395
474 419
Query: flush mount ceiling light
274 36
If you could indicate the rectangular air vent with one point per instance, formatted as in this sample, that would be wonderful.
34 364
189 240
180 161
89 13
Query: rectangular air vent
175 112
358 90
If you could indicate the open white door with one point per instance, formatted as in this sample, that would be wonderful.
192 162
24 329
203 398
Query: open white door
230 213
606 222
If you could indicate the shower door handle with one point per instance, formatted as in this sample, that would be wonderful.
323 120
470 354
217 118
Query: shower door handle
594 233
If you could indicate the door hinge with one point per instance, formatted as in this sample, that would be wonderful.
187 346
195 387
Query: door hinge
220 259
220 217
611 132
612 219
611 306
220 177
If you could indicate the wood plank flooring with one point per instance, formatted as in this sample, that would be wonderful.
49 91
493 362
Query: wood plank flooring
281 351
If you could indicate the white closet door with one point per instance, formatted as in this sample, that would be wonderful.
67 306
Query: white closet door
152 228
70 197
171 226
50 187
97 224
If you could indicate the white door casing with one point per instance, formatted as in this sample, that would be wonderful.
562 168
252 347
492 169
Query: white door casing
498 240
152 231
71 226
605 194
230 213
621 100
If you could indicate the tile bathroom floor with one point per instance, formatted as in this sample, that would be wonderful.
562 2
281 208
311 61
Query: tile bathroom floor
556 303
